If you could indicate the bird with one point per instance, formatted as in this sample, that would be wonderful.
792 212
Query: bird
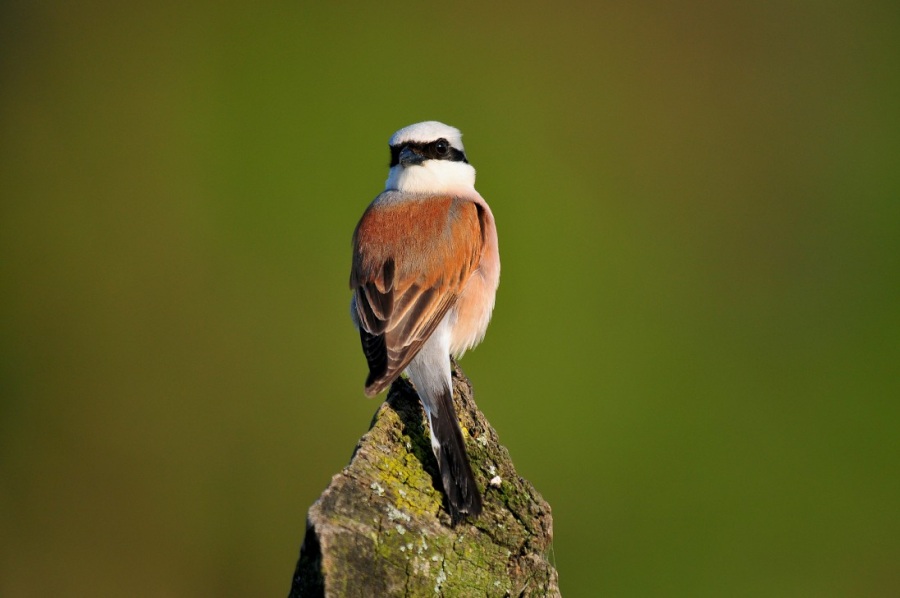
424 276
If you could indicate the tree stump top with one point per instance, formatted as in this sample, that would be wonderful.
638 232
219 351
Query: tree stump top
381 528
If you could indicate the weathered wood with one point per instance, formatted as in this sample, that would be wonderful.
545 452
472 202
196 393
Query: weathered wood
381 528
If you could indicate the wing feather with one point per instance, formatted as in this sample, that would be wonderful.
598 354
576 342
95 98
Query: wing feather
411 260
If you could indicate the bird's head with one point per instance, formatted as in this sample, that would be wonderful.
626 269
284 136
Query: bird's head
428 157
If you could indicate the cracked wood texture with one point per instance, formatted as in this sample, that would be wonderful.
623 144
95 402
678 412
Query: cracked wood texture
381 528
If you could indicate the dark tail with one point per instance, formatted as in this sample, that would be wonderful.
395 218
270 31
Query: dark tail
463 497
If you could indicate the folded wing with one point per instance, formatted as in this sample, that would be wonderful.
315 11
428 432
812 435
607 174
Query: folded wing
411 260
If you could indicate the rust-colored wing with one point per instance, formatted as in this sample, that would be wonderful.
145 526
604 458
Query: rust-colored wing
411 259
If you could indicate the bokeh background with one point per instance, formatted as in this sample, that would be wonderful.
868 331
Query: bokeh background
695 350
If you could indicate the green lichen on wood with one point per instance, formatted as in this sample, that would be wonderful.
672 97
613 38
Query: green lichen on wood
381 528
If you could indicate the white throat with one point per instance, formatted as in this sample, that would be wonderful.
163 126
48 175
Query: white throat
431 176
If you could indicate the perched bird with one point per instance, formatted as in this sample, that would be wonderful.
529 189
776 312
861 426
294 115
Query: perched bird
424 276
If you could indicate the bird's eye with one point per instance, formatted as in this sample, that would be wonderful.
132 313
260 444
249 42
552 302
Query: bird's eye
442 147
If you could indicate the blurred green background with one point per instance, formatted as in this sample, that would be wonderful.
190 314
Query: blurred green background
695 350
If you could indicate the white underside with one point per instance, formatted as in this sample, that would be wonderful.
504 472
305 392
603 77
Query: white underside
430 373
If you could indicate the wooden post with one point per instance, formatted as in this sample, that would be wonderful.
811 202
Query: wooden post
381 528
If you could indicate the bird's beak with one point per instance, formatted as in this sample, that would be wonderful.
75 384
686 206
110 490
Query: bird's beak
410 157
